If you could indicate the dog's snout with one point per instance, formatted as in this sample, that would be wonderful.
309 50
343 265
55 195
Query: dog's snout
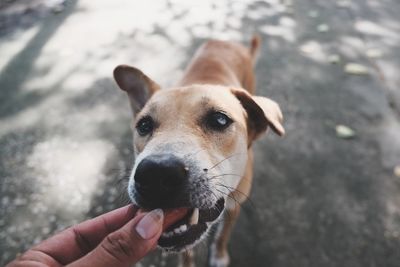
158 178
164 174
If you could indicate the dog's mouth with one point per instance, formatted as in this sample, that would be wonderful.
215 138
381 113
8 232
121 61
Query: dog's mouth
189 230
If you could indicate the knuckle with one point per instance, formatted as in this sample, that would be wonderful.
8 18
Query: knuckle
119 246
29 258
36 258
81 241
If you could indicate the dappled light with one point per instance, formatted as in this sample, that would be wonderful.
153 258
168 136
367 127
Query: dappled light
321 197
285 29
314 50
68 171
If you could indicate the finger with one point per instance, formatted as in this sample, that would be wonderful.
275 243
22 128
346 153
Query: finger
34 258
132 242
27 264
127 245
170 215
74 242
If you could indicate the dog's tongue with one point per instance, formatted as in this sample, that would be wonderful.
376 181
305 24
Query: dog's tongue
171 215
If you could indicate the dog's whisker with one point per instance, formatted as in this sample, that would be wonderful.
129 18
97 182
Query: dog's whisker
247 180
229 196
237 202
216 198
231 156
238 191
221 175
234 190
225 194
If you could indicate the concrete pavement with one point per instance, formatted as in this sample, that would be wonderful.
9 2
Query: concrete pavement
318 200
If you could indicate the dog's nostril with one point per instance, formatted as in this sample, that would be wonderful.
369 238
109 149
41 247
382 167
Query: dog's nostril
205 170
160 174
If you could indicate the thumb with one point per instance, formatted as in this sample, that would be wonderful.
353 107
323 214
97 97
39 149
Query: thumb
127 245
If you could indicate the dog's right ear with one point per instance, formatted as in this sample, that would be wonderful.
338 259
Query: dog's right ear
262 113
138 86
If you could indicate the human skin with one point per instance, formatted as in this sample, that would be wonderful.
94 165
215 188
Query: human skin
118 238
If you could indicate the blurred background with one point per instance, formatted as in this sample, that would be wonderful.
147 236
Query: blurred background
327 194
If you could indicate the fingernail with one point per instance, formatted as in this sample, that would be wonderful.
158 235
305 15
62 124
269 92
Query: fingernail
150 224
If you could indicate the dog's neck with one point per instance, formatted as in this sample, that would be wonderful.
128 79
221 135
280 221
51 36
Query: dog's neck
195 74
204 69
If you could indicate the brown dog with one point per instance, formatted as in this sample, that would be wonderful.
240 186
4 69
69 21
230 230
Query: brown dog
193 143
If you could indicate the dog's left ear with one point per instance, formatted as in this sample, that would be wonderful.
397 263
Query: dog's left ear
262 113
136 84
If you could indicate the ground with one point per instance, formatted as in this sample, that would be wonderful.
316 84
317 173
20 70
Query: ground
319 199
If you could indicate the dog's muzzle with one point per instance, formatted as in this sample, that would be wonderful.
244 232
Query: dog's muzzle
162 181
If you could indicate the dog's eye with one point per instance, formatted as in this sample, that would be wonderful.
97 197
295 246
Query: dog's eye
218 121
145 126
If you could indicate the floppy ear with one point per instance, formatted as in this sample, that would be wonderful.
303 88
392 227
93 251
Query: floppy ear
261 113
138 86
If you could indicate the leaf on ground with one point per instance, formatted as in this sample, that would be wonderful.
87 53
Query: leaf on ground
334 59
323 27
310 47
313 13
374 53
344 132
396 171
355 68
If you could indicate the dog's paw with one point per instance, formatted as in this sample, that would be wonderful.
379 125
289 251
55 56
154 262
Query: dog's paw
218 258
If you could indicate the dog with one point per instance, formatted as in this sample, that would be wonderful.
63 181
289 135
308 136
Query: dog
193 143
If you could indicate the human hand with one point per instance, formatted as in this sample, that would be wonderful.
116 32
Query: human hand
118 238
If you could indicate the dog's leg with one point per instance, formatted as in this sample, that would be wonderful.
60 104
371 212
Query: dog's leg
218 253
187 259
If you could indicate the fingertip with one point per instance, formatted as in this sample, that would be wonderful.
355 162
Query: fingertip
151 224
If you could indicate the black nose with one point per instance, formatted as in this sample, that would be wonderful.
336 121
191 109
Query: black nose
160 180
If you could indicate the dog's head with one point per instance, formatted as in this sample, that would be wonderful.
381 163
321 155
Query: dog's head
191 145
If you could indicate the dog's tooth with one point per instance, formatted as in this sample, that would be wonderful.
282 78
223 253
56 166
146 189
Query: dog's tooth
183 228
194 219
177 230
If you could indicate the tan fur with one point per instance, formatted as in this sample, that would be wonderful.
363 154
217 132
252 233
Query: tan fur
222 63
228 64
179 121
220 76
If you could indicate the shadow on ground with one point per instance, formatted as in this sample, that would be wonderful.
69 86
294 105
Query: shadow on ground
318 200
